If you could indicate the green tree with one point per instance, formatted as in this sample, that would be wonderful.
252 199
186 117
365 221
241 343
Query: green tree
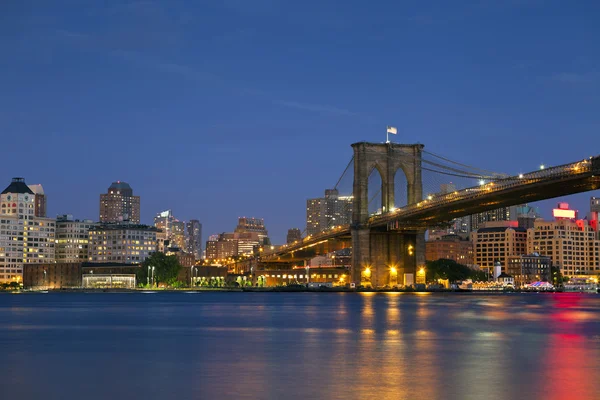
557 276
14 285
166 269
451 270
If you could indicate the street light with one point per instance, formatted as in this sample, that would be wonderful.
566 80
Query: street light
148 277
194 270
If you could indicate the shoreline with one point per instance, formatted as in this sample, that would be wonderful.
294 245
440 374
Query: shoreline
281 290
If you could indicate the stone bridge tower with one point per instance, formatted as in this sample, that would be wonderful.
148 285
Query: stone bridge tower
381 257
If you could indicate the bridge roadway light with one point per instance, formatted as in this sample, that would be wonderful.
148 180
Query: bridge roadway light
521 176
542 166
481 182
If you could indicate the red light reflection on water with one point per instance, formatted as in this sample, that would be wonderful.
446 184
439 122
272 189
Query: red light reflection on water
571 363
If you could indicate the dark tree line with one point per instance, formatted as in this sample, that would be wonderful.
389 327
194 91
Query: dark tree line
453 271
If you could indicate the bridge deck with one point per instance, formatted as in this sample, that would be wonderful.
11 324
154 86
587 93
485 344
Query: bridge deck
577 177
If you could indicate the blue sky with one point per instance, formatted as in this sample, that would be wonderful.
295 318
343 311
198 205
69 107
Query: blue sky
225 108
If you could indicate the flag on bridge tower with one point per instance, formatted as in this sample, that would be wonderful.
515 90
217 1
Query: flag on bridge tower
392 130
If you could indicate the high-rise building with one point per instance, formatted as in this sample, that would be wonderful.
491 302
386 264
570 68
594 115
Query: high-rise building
293 235
595 204
211 248
174 229
40 200
329 211
24 237
571 244
177 238
121 243
249 237
496 243
222 246
119 204
163 221
257 225
72 239
525 216
194 238
450 247
499 214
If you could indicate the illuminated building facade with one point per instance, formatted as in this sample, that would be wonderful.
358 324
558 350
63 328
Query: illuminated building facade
450 247
24 237
249 236
529 268
496 244
80 274
194 238
329 211
595 204
571 244
293 235
72 239
119 204
121 243
175 232
253 225
40 200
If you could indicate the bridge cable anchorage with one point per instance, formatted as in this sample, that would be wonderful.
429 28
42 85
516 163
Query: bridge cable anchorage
344 173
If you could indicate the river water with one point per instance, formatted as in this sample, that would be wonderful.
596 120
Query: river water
299 346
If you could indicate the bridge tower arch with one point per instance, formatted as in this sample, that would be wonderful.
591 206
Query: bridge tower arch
376 254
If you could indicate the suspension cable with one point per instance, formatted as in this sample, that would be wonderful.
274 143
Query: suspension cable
463 165
344 173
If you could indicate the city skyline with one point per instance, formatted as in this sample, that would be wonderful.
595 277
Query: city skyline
224 99
580 202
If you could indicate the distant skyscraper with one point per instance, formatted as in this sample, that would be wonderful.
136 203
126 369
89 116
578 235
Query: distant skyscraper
40 200
247 225
194 238
293 235
174 229
119 204
325 212
24 237
595 204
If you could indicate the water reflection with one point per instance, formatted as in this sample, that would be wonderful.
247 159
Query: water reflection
273 346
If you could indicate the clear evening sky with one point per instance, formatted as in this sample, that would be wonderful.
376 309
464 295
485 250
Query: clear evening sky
225 108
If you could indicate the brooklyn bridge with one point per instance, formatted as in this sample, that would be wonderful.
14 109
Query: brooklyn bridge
389 243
